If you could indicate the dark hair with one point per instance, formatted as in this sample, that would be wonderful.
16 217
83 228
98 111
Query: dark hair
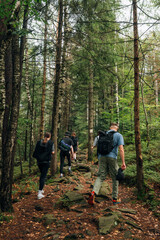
67 133
47 135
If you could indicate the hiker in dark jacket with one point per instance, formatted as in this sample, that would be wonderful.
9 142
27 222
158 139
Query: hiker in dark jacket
75 145
43 151
66 147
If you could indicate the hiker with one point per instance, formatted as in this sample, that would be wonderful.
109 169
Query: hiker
75 145
43 151
108 164
66 147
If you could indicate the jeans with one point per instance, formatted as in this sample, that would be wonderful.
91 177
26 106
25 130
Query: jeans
43 167
107 165
62 158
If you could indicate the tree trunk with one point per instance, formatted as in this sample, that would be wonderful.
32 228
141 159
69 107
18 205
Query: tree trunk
30 105
9 150
145 114
117 100
139 160
44 77
2 96
57 88
65 86
90 115
26 139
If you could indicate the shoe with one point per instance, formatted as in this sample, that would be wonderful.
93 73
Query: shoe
116 201
40 195
61 175
91 198
75 160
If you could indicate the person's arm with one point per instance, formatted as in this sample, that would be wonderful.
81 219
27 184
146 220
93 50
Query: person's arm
72 150
121 152
95 142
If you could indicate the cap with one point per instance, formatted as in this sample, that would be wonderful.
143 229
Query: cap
67 133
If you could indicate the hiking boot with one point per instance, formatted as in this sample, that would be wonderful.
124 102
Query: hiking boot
91 198
116 201
40 195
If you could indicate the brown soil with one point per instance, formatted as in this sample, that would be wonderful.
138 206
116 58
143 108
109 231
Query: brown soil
82 221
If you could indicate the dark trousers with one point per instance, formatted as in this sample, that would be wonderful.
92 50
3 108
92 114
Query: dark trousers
62 158
43 167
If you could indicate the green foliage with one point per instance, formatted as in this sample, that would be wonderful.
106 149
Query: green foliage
5 218
151 166
17 170
25 186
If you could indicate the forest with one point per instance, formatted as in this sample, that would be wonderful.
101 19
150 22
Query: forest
78 65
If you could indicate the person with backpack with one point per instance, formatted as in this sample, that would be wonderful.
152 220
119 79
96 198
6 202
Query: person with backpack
108 145
75 145
66 147
43 151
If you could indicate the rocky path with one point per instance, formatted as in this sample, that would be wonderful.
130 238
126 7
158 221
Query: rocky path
65 214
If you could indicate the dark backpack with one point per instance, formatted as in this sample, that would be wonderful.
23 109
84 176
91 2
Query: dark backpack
105 142
64 146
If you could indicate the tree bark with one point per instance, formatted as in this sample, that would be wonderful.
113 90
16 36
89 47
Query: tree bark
2 96
9 150
139 160
57 88
145 114
65 85
30 106
44 76
90 115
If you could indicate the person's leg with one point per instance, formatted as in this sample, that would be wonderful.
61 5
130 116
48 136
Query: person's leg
69 161
102 173
113 169
43 169
62 157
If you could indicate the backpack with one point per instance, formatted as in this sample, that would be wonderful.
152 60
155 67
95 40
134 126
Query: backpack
64 146
105 142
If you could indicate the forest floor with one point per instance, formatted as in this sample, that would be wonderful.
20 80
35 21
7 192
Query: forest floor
79 220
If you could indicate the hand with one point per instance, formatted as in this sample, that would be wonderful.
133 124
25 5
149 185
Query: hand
123 166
